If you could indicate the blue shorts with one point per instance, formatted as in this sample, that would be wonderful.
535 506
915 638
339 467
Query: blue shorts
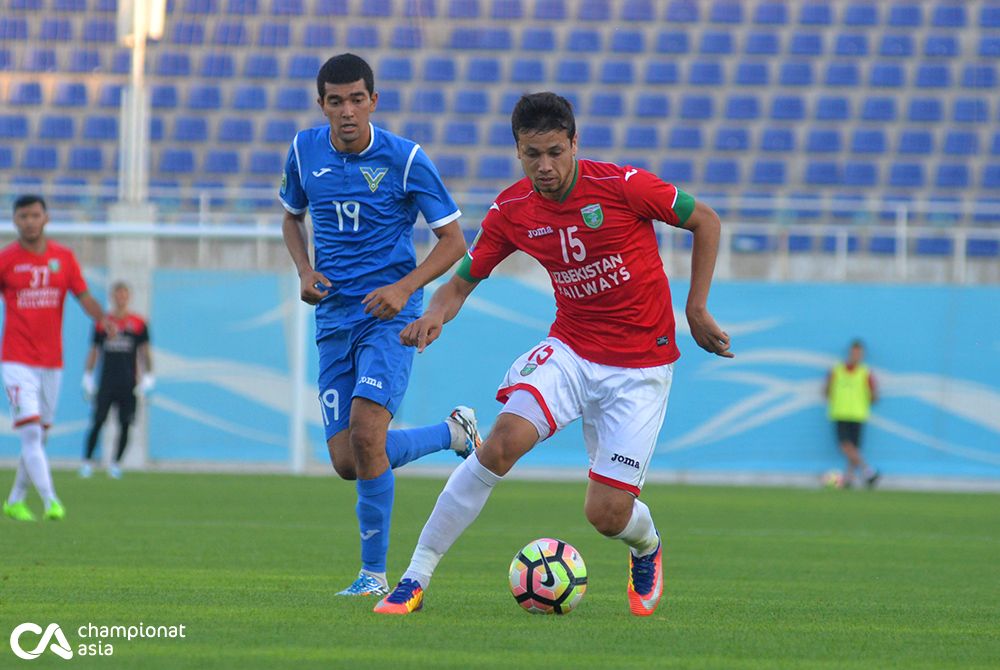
363 360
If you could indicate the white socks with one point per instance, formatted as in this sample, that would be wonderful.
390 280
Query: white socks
34 464
639 533
457 507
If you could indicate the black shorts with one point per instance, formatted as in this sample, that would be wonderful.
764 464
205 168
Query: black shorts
849 431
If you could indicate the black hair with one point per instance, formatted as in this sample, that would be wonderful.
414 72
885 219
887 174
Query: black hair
28 200
856 342
344 69
120 284
541 113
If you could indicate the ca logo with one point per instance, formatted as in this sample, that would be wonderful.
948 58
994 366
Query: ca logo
60 647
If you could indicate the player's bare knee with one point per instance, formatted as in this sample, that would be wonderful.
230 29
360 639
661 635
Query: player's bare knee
606 520
345 471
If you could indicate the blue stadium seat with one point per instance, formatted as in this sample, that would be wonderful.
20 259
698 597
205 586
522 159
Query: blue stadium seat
970 110
989 16
941 46
200 7
56 30
652 105
638 10
607 104
771 14
961 143
189 33
860 14
499 134
110 95
13 29
550 10
728 138
642 137
221 162
982 248
989 47
868 141
882 245
229 34
441 68
493 39
70 94
952 175
683 11
705 73
925 110
266 162
617 72
742 107
260 66
485 70
769 172
948 16
406 37
628 41
886 75
301 66
218 65
762 44
421 132
121 61
905 16
86 159
860 174
659 73
842 74
795 73
25 93
495 167
249 97
318 36
676 171
594 10
427 101
99 30
541 39
752 74
173 64
287 7
26 5
721 171
426 9
851 45
979 76
584 41
806 205
280 131
235 130
932 75
461 133
56 128
906 175
672 42
274 35
788 108
100 128
390 100
395 69
461 9
684 137
915 142
597 136
878 108
715 42
832 108
822 141
471 102
40 60
363 37
451 166
995 144
991 176
777 140
806 44
723 11
896 46
696 107
69 190
241 7
190 129
36 157
13 127
572 71
933 246
507 9
204 96
527 70
815 14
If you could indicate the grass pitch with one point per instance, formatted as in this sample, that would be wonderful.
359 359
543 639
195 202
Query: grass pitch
756 578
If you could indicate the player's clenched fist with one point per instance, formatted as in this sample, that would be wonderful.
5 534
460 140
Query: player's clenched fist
313 287
421 332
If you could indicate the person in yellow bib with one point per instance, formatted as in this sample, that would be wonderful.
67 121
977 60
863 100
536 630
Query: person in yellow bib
850 393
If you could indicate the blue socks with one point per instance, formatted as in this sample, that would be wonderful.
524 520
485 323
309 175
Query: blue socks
374 512
403 446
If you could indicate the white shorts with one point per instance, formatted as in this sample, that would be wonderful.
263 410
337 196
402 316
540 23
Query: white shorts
32 392
622 408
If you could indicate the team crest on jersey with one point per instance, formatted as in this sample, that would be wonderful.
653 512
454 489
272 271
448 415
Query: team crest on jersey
593 216
284 182
374 176
528 369
54 265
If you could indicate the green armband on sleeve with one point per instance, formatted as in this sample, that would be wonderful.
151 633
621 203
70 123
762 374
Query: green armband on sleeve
464 269
683 207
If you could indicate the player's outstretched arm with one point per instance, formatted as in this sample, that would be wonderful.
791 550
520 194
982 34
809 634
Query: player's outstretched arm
386 302
704 223
293 230
445 304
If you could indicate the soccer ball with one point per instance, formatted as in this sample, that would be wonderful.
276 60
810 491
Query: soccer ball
833 479
548 577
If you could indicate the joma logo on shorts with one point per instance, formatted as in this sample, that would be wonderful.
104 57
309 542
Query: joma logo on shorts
618 458
372 382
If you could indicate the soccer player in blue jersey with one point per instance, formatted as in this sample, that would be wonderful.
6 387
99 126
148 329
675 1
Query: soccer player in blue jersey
363 188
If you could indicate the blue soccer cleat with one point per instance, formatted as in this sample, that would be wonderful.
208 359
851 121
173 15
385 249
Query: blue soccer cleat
366 585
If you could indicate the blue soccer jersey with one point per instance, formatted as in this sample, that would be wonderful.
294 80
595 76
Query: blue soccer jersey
363 207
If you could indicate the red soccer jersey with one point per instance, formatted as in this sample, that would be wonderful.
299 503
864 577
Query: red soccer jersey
612 298
34 288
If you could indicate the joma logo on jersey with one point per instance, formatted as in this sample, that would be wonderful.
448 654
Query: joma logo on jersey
377 383
374 176
618 458
538 232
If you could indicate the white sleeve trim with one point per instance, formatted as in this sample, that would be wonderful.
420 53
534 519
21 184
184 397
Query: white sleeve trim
444 221
298 161
409 162
676 191
292 210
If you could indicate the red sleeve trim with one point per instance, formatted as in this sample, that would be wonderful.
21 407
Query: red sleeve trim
28 419
503 395
614 483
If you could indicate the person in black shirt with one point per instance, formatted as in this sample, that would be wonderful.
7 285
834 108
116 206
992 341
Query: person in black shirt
126 364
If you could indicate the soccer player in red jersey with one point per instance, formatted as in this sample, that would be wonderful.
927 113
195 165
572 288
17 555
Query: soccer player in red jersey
609 355
35 275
